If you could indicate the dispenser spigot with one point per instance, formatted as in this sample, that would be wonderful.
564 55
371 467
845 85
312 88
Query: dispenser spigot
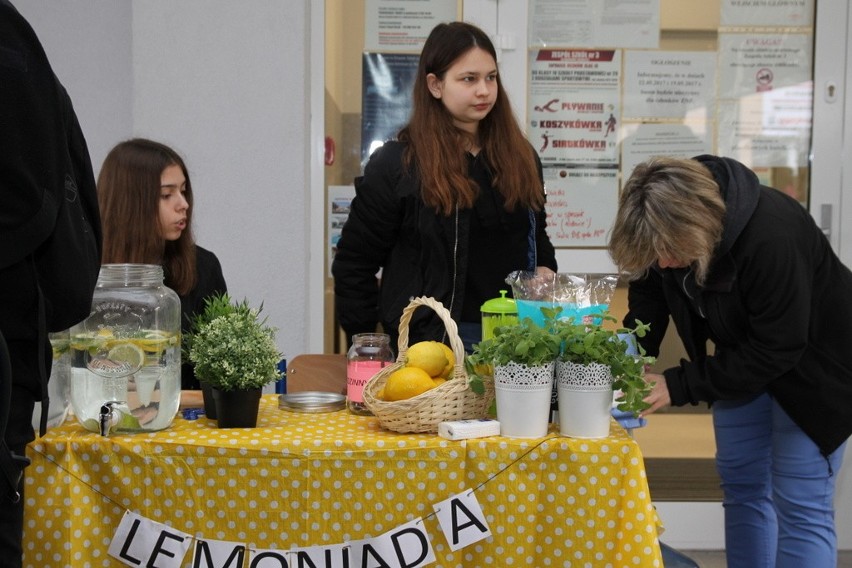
109 416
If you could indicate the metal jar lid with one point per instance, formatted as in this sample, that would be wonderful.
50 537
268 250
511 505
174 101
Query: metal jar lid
312 401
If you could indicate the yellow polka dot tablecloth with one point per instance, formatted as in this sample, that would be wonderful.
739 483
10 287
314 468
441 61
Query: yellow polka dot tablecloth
300 480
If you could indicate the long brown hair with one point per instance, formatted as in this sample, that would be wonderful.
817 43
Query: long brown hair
670 207
437 147
129 199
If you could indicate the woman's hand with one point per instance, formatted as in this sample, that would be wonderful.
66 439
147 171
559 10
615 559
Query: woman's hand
544 272
659 397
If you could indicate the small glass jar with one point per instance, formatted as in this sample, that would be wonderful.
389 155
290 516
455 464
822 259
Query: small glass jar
125 357
369 354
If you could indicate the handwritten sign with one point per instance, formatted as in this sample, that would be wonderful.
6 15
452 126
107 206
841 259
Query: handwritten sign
581 205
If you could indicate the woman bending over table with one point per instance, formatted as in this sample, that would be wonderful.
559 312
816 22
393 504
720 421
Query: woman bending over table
745 267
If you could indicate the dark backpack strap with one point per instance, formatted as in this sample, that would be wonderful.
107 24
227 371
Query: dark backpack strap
43 375
11 465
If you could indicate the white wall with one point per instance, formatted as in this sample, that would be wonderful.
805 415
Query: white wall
224 83
88 45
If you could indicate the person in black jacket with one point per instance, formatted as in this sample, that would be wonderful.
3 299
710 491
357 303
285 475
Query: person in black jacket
49 247
450 208
145 197
745 267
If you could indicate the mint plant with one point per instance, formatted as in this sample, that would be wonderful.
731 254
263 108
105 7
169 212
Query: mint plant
587 342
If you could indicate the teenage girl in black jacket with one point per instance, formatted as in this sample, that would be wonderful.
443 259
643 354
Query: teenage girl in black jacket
448 210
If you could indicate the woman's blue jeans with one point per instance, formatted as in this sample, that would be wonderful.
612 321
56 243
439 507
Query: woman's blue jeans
778 488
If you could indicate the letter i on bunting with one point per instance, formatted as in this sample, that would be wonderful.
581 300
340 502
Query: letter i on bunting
461 520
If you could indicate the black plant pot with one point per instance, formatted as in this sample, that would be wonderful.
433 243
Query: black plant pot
237 408
209 403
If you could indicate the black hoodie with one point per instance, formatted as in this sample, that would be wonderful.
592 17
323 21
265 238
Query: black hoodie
775 305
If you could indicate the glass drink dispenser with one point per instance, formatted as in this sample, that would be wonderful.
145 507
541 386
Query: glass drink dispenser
125 357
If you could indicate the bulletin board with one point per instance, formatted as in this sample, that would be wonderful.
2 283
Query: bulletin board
611 84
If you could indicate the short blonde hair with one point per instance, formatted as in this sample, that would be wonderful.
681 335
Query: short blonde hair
669 208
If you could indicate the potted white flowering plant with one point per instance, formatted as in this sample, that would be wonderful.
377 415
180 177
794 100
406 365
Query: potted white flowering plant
234 352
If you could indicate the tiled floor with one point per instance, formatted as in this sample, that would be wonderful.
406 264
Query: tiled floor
716 558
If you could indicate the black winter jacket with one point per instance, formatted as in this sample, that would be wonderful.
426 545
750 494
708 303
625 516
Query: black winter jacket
420 251
49 208
775 305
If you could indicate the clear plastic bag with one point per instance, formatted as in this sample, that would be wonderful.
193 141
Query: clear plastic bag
580 296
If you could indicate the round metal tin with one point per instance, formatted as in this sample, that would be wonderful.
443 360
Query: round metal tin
312 401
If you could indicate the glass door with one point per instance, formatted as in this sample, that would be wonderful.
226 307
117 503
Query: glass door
600 86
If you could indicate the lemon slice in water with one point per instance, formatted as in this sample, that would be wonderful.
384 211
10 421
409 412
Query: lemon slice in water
155 341
127 353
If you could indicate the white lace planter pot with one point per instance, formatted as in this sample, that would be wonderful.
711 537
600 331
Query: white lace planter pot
585 399
523 399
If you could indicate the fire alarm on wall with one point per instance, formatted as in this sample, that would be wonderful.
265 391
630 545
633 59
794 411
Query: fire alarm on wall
329 151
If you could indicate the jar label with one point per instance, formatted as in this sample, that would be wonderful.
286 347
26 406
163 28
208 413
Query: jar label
357 375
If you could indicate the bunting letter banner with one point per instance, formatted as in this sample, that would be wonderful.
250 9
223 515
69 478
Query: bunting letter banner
326 556
218 554
461 520
142 542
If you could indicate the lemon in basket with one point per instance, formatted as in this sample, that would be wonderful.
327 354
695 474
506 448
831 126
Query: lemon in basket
407 382
451 361
428 356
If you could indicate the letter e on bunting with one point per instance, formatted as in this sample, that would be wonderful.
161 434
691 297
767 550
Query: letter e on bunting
461 520
142 542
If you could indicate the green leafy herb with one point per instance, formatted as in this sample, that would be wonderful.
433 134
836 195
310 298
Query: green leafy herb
589 341
231 347
525 343
583 342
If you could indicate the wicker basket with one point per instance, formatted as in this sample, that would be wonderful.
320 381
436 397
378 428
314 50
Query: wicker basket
453 400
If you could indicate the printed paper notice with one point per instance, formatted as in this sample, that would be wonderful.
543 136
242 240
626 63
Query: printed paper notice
644 141
595 23
768 13
339 199
669 84
770 129
756 63
403 25
581 205
573 105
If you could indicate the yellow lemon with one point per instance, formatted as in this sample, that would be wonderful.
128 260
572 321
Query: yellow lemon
381 394
155 341
428 356
451 361
407 382
439 381
484 370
